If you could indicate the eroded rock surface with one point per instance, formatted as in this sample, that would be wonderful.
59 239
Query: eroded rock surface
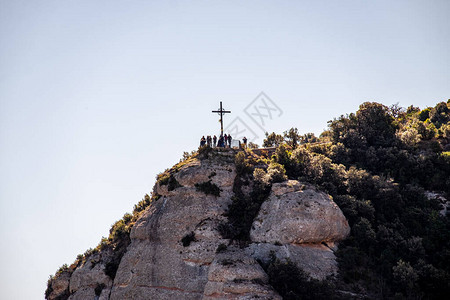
317 260
157 265
296 214
174 254
235 275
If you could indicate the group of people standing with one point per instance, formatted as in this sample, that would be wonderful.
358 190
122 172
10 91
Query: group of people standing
223 141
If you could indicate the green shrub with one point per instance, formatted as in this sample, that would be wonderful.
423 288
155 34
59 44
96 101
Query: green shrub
49 288
424 114
163 178
260 176
252 145
188 239
172 183
204 151
242 164
119 251
208 188
226 262
276 172
273 140
243 209
63 268
99 288
406 277
118 230
144 203
104 243
221 248
292 283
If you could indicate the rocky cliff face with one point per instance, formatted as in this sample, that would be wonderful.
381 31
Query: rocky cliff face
175 250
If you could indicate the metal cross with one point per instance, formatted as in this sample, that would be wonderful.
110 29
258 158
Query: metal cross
221 112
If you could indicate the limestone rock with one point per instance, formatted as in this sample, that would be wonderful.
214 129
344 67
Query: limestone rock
294 215
235 275
60 285
317 260
157 265
90 275
174 242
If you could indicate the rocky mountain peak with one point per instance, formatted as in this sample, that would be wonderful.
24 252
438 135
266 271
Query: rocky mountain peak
209 232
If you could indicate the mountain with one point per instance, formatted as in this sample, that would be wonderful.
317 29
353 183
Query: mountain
359 212
181 246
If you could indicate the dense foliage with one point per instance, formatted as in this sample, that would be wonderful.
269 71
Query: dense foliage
293 283
208 188
378 164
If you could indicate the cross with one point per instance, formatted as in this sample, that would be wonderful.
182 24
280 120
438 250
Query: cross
221 112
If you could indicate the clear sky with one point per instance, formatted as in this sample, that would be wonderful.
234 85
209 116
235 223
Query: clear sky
97 97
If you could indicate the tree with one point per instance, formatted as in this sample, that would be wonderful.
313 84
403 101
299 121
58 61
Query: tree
424 114
309 138
440 114
253 145
272 140
292 137
397 111
375 123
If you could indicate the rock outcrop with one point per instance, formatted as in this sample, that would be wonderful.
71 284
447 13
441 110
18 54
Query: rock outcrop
234 274
177 252
295 214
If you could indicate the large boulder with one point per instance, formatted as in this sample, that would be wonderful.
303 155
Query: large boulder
296 214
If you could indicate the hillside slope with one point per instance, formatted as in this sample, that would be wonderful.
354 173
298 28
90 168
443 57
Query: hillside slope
359 212
183 245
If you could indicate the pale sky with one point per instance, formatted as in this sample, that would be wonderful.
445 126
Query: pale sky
97 97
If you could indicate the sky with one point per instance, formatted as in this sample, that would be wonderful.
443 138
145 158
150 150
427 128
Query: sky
97 97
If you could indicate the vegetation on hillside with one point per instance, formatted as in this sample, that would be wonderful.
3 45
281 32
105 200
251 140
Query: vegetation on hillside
377 164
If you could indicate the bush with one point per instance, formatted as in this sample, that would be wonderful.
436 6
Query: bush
291 282
260 176
204 151
273 140
99 288
276 172
143 204
208 188
163 178
242 210
221 248
118 231
62 269
242 164
406 277
173 183
253 145
424 114
49 288
188 239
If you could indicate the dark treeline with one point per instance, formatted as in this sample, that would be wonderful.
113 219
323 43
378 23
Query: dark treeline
380 165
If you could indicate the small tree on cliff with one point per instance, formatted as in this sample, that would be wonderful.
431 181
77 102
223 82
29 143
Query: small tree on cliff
292 137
